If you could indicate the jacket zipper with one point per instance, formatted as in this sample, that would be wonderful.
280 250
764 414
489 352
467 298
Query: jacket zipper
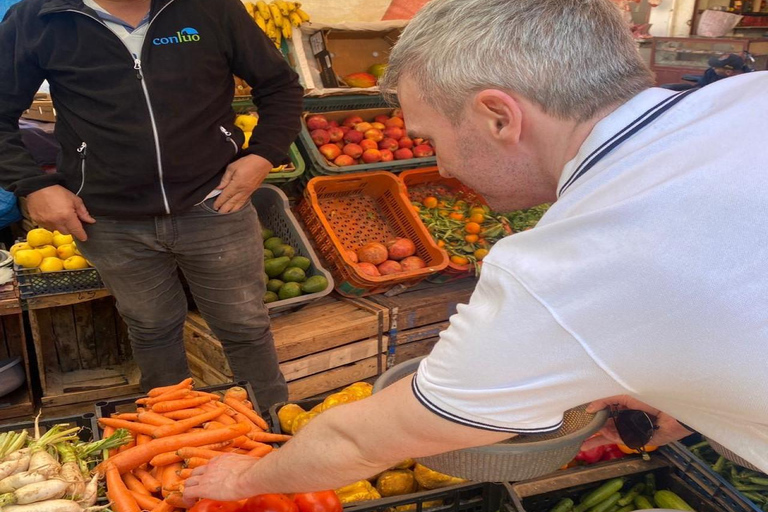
140 76
228 135
82 150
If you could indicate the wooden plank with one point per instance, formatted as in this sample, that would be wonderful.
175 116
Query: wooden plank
42 338
204 374
105 332
83 391
65 339
207 349
420 333
333 379
323 361
86 336
416 349
123 340
19 403
325 334
4 345
65 299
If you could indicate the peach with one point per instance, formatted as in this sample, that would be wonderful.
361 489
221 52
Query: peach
330 151
412 263
393 132
423 150
418 141
335 133
403 154
352 255
373 252
353 150
317 123
398 112
320 137
333 124
386 155
379 126
371 156
381 119
344 160
351 121
406 142
339 144
344 129
390 267
363 127
374 134
400 248
390 144
397 122
368 144
353 137
368 268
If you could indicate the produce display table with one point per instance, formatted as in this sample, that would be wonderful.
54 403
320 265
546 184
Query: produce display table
13 343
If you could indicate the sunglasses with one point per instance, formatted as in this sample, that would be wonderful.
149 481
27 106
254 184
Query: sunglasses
635 428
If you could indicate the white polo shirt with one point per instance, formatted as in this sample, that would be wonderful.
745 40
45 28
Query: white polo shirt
647 277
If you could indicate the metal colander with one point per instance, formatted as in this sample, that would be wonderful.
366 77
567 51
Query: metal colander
520 458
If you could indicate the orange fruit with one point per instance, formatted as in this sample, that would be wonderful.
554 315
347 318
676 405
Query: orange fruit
459 260
477 210
456 215
470 239
477 217
472 228
480 254
416 208
430 202
444 213
440 243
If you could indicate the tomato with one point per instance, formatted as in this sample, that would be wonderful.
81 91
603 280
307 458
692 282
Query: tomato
325 501
216 506
270 503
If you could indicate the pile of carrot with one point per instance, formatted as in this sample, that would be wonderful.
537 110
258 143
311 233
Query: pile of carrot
175 430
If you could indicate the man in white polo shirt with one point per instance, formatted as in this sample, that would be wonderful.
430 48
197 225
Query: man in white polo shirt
645 279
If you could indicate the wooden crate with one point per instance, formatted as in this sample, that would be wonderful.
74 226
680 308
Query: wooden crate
405 345
329 343
82 346
13 343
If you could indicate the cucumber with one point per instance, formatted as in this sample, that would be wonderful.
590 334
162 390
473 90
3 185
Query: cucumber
630 496
600 494
643 503
564 505
626 508
668 499
650 484
607 504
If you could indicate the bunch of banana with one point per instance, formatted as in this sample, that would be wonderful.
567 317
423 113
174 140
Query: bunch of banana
277 18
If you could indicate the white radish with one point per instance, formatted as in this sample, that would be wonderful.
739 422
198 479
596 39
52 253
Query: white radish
46 506
32 493
23 464
18 454
91 492
19 480
8 468
42 462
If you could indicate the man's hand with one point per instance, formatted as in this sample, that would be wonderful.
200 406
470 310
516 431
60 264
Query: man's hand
669 428
56 208
218 480
241 179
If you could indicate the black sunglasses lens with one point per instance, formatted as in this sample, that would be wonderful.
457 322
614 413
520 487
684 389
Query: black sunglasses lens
634 427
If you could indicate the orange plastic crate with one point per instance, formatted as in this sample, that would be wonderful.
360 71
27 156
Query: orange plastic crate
421 183
346 212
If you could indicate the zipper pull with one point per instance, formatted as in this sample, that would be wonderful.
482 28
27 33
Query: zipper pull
225 132
137 67
82 150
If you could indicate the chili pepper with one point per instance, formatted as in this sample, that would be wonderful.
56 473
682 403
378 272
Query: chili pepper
591 456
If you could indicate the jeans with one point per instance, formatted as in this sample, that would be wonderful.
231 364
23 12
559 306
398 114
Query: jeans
221 257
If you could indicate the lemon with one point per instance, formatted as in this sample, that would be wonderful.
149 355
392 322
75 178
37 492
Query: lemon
18 247
47 251
28 258
65 251
39 236
246 122
75 263
59 240
51 265
77 251
56 232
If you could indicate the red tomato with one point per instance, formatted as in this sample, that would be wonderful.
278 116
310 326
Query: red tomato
270 503
216 506
325 501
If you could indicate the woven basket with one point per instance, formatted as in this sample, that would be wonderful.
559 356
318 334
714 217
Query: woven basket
520 458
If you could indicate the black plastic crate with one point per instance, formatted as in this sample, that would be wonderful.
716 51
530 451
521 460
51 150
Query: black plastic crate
483 497
344 102
86 422
106 408
34 283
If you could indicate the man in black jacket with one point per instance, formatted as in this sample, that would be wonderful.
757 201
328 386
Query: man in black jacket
151 178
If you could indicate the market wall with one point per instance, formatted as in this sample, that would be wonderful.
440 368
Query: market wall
334 11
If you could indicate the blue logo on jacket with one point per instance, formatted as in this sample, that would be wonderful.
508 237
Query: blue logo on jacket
185 35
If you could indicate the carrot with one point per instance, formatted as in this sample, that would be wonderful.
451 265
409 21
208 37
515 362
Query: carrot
149 482
189 452
171 478
175 499
236 393
170 395
138 455
184 403
185 473
186 383
260 451
183 425
182 414
267 437
246 444
163 506
108 431
129 444
212 396
129 416
242 418
153 418
247 412
133 426
117 492
163 459
143 438
134 484
144 501
196 462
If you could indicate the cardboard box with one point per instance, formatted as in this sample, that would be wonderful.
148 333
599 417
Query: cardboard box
323 54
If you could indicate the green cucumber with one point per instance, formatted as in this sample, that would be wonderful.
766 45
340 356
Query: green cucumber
600 494
668 499
564 505
650 484
607 504
643 503
626 508
630 496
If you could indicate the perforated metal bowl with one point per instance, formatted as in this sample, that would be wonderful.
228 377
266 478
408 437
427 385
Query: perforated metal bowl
520 458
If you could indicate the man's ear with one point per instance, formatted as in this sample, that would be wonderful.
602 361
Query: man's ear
500 114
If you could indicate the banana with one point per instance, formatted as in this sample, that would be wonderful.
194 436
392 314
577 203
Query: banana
295 19
249 7
282 6
275 11
260 21
271 29
263 9
277 39
303 15
287 30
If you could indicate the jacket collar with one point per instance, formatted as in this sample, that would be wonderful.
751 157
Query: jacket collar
56 6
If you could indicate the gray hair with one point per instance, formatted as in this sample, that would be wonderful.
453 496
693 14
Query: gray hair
573 58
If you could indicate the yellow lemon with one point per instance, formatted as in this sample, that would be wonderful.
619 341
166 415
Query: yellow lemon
77 251
38 237
59 240
75 263
18 247
47 251
28 258
246 122
51 265
56 232
65 251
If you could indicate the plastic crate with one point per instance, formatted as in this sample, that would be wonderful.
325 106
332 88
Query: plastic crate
106 408
345 102
318 162
34 283
691 482
275 213
292 172
344 213
473 497
86 422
